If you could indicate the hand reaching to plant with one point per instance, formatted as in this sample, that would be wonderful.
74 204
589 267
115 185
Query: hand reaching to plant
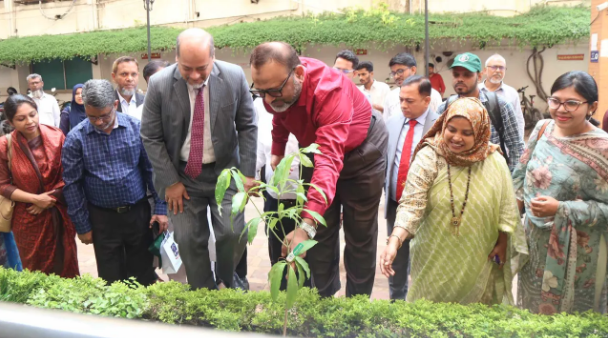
294 238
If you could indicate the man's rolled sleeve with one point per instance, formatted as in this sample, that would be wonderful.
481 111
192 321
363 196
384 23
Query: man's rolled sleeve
73 176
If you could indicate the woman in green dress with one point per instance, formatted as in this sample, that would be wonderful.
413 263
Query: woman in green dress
562 180
459 208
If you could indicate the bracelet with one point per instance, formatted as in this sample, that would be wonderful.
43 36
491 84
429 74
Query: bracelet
310 230
399 238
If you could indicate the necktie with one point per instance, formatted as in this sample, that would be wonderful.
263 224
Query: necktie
195 158
404 164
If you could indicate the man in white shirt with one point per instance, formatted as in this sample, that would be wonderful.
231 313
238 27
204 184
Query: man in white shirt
402 66
125 73
375 91
405 131
496 69
48 109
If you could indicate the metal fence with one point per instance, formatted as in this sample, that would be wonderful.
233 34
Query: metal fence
21 321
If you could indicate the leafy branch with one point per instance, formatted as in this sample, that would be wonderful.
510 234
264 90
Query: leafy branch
280 184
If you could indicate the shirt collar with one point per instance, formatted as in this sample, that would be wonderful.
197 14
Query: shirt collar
483 86
121 121
205 84
122 99
421 119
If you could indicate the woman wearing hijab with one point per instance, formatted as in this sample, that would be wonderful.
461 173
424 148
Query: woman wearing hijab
459 208
562 180
73 114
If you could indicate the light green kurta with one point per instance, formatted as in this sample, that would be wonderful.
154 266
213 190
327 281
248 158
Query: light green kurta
451 266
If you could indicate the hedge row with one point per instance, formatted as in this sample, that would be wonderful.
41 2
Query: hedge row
312 316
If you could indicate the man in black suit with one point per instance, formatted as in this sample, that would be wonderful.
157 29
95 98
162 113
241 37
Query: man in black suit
125 73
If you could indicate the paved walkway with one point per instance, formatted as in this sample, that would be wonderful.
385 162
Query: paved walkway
258 261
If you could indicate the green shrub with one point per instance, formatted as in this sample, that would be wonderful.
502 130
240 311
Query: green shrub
542 26
311 316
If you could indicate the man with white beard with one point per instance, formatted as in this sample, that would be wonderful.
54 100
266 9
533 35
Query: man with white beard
125 73
496 68
48 109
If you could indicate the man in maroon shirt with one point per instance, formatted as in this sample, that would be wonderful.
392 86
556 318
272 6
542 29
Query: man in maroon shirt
436 80
320 105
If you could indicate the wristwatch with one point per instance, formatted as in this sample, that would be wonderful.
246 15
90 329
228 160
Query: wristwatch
310 230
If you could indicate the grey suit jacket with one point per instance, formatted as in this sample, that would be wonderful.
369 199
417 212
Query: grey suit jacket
394 126
166 119
139 98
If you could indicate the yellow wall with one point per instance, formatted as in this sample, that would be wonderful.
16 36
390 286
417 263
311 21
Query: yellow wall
599 70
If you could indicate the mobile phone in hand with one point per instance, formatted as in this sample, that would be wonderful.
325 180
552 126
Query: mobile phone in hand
156 229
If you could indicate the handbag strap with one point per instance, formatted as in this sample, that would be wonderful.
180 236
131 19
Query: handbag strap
542 130
9 151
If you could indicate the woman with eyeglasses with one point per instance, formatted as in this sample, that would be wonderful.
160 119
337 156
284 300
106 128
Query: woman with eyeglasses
43 231
562 180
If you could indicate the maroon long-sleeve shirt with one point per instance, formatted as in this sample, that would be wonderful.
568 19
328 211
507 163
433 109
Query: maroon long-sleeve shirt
331 112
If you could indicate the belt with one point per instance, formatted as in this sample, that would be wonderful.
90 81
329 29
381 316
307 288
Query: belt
126 208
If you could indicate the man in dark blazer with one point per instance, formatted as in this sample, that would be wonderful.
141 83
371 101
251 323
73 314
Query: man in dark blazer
125 73
405 131
199 119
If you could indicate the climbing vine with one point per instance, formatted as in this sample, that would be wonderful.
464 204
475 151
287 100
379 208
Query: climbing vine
541 27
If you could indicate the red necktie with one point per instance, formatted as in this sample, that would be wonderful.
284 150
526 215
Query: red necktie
195 158
404 164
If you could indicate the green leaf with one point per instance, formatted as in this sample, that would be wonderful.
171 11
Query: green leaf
223 183
238 179
252 222
238 201
301 274
282 172
253 229
305 160
305 246
275 276
300 194
302 262
316 216
311 149
272 222
292 288
318 189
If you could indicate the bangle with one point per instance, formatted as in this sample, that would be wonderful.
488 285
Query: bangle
399 238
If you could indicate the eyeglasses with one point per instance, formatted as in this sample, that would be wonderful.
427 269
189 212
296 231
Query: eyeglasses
105 117
277 92
569 106
399 72
499 68
344 71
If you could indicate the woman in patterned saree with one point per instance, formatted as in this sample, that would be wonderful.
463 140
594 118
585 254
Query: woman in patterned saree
562 180
43 231
459 207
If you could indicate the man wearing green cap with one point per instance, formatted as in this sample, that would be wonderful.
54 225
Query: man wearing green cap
466 73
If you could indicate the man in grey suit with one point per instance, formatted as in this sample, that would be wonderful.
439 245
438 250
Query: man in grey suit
404 133
198 120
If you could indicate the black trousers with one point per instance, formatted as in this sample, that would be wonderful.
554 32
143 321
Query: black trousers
274 243
358 193
398 282
121 243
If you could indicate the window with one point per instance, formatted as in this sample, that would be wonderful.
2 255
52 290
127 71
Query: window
63 75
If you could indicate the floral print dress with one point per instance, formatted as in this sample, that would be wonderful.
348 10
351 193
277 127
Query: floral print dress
566 271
